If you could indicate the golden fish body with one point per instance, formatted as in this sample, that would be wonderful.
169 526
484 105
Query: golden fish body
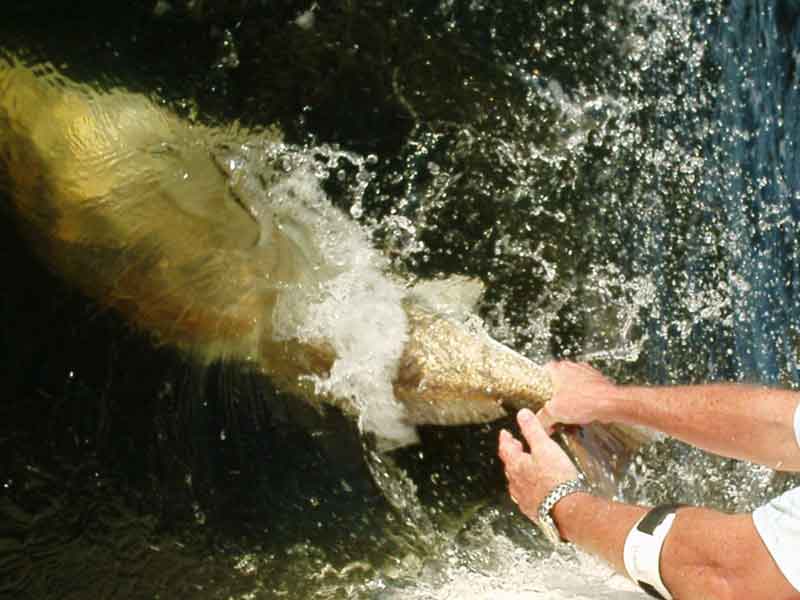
128 203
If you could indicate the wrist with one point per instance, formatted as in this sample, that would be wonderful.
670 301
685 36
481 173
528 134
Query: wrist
615 405
632 404
567 513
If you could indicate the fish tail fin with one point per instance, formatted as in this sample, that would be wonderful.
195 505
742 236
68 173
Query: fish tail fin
604 452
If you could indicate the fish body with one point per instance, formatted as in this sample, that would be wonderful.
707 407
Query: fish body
452 372
194 235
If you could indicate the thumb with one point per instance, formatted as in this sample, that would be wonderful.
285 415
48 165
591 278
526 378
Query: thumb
547 420
531 428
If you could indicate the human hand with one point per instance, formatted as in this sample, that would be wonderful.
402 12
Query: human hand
581 395
531 476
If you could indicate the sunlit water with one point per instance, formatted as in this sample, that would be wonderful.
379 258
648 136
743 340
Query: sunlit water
625 184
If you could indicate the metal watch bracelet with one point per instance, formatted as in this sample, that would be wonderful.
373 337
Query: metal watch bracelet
562 490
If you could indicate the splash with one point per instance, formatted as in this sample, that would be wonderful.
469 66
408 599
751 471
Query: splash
345 295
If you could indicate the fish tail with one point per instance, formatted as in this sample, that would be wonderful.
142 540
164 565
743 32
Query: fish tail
604 452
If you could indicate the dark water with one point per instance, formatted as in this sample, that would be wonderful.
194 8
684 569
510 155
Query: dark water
622 176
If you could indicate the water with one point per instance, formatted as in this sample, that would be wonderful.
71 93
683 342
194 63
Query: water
620 175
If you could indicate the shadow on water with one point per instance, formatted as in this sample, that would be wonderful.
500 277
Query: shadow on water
128 472
120 462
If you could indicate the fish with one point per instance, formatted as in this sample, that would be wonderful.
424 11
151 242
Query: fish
219 241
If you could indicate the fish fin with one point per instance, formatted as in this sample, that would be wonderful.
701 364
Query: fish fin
604 452
406 437
455 296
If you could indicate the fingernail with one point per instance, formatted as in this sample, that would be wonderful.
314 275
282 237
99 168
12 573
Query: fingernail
503 433
525 415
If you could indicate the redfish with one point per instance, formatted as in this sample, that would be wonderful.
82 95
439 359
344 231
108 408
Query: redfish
220 241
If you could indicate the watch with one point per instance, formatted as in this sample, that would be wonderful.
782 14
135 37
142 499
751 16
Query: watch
562 490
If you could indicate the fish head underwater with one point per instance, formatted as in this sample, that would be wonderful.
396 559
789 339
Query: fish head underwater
221 242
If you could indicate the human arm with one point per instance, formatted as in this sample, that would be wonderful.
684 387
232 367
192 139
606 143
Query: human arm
706 555
741 421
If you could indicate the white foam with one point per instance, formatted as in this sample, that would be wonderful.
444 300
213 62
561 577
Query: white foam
347 300
516 574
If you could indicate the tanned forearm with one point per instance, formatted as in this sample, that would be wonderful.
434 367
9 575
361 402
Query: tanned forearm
597 525
707 555
734 420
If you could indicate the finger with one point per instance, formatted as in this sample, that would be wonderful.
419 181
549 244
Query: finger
555 371
551 368
508 447
532 430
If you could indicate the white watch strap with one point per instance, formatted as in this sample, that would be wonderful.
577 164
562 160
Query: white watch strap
797 424
642 552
